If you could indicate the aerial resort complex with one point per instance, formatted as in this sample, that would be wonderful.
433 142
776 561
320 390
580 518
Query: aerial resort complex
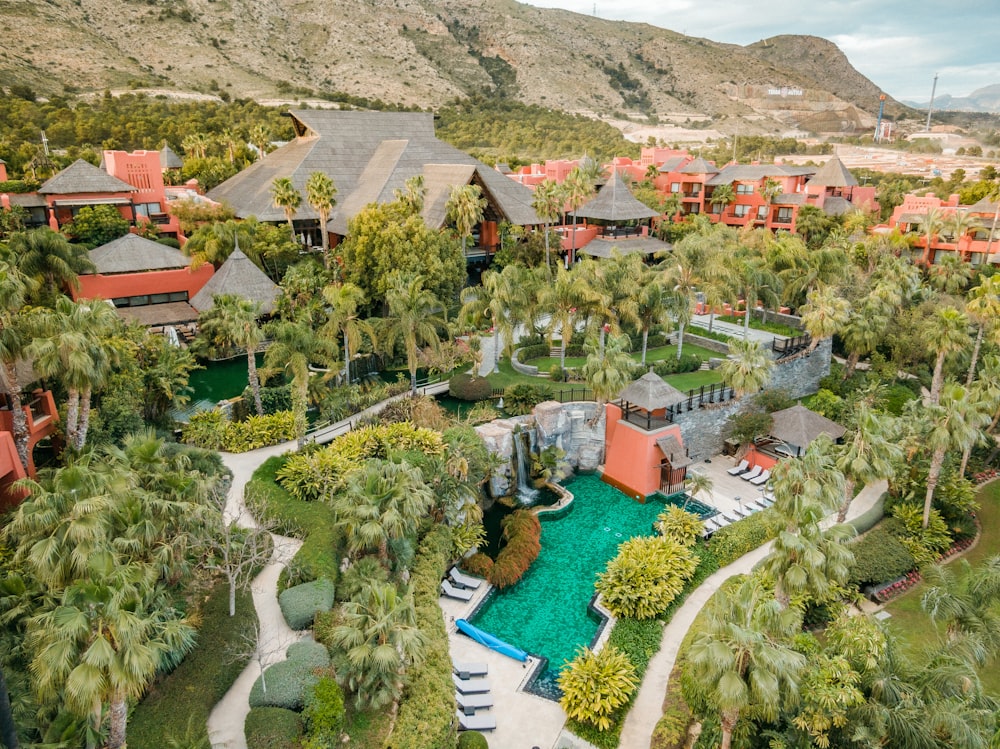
492 377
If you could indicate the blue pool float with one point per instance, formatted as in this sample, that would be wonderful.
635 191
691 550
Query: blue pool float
493 643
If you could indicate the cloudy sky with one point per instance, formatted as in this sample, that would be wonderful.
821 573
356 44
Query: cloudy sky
898 44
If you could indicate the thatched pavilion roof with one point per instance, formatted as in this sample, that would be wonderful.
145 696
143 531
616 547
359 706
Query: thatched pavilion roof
615 202
239 276
799 426
650 393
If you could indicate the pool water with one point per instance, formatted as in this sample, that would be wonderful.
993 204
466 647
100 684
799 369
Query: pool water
547 612
220 380
493 518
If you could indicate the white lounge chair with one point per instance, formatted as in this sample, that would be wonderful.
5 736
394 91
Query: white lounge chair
475 722
741 512
721 521
767 501
467 669
466 581
738 469
730 518
469 703
459 594
756 505
471 686
752 473
762 479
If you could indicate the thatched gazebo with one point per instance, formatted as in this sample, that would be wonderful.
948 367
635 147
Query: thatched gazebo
648 394
239 276
797 427
615 204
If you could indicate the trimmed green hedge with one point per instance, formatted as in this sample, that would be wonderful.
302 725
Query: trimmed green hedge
289 680
313 522
467 387
472 740
427 711
212 431
300 604
730 543
879 557
273 728
190 691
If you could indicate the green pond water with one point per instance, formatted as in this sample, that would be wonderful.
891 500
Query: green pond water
546 613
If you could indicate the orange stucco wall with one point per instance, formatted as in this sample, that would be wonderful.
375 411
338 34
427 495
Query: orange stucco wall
10 471
632 458
758 458
97 286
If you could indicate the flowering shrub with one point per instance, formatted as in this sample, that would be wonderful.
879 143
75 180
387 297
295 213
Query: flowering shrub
984 476
897 587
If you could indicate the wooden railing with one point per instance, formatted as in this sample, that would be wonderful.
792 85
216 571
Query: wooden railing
789 346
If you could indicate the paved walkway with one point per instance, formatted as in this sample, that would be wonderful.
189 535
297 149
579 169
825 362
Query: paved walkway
734 330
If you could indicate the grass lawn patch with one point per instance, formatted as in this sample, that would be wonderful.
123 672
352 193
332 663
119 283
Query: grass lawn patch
367 730
546 363
177 706
770 326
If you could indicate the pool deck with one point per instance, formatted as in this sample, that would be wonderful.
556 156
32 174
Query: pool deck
728 492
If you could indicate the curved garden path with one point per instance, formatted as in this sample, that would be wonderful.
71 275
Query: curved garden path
647 708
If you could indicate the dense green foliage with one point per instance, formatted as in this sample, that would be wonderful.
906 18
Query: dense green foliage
324 714
520 399
472 740
212 431
189 692
879 557
289 681
300 603
595 685
645 576
273 728
736 539
467 387
313 522
521 533
426 712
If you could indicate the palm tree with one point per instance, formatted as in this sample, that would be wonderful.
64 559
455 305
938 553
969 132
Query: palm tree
680 274
966 605
954 423
696 484
723 195
344 301
952 274
464 209
231 140
577 190
286 197
50 261
865 329
105 642
381 501
564 299
319 194
412 319
868 454
609 372
740 659
754 280
614 285
930 223
13 341
808 561
260 138
946 331
983 307
652 303
824 314
214 243
196 144
827 265
232 322
548 204
376 640
748 367
295 345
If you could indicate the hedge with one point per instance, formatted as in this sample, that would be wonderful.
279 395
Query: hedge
190 691
427 710
467 387
212 431
472 740
672 365
289 680
301 603
879 557
313 522
273 728
522 533
730 543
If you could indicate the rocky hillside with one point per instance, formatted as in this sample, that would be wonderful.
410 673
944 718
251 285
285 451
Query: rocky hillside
427 52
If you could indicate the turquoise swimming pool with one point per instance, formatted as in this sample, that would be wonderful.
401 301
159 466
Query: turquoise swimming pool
547 612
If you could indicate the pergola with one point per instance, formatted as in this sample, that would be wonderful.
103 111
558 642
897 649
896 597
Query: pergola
615 203
648 394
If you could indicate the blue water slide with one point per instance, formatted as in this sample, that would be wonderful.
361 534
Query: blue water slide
493 643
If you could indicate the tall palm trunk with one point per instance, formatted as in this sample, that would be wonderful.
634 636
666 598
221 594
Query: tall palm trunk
937 461
711 319
72 416
680 339
8 730
254 379
728 723
848 498
975 355
84 425
966 454
118 714
347 360
852 364
300 397
937 380
17 414
548 262
645 337
413 383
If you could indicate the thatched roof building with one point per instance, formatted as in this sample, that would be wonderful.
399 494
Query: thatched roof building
239 276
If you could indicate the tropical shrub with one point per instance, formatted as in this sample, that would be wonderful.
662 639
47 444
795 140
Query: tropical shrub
426 711
730 543
879 556
468 387
311 474
324 714
595 685
301 603
679 525
361 571
522 533
673 365
472 740
272 728
533 351
212 431
520 399
925 544
645 577
274 399
289 681
557 373
478 564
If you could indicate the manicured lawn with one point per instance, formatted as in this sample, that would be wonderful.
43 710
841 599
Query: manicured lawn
652 355
683 382
912 626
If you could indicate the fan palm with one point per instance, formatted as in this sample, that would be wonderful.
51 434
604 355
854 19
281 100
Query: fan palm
577 190
723 195
748 367
930 224
464 209
286 197
565 299
50 261
946 331
609 372
868 453
295 345
232 322
824 314
983 307
13 341
548 203
652 303
344 301
320 192
413 319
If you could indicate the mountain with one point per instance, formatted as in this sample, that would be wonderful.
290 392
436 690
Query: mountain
427 52
985 99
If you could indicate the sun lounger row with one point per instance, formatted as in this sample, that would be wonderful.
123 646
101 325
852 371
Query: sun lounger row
757 475
472 694
459 586
745 510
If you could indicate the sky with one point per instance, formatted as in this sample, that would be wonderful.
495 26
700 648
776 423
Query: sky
897 44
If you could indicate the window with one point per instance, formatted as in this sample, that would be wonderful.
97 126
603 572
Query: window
744 188
762 212
784 216
675 187
716 208
741 210
147 209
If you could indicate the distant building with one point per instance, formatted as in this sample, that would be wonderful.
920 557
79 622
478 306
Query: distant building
972 243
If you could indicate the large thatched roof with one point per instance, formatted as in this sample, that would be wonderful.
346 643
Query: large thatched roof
650 393
134 254
169 159
239 276
799 426
833 174
673 451
369 156
83 177
615 202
